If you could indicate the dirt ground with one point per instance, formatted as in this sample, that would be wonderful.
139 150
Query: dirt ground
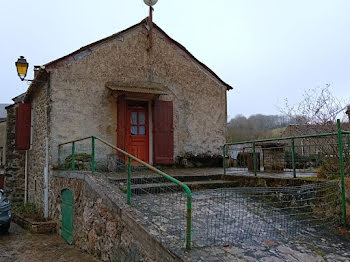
19 245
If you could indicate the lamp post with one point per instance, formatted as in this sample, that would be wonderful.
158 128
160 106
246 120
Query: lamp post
150 3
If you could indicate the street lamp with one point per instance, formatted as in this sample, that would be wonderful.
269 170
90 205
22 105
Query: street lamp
22 67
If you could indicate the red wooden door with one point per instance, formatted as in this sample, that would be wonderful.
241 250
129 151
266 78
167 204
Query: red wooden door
137 133
163 132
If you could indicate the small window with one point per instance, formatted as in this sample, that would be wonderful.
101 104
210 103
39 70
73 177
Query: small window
134 130
142 118
142 130
134 118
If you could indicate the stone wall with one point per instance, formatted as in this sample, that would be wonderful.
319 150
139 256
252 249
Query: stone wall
83 106
273 159
15 160
36 154
102 225
3 144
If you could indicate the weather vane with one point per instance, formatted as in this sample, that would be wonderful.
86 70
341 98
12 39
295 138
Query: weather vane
150 3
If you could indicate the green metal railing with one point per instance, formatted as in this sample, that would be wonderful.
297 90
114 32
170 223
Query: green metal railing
337 143
129 159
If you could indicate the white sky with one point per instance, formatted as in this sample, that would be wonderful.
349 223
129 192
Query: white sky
266 49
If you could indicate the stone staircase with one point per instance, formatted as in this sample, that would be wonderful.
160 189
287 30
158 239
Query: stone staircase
151 183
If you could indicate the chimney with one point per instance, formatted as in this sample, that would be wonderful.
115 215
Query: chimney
36 70
348 112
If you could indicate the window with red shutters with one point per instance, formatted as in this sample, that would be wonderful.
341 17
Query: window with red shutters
163 132
23 121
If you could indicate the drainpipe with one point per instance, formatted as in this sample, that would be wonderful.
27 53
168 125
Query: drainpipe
46 180
26 178
46 169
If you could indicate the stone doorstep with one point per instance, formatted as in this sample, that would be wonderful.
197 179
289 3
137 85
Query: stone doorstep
34 226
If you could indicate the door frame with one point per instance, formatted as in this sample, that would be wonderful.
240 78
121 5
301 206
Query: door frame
67 217
148 105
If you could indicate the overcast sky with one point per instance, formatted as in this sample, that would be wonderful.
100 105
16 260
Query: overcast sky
266 49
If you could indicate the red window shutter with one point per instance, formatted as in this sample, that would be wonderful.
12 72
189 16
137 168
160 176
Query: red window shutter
23 121
121 123
163 132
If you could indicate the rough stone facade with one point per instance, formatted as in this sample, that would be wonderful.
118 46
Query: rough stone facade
102 225
15 160
273 159
36 153
83 106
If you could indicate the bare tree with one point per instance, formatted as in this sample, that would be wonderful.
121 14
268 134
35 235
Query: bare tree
316 113
318 106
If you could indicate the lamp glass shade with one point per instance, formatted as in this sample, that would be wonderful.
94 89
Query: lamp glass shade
22 67
150 2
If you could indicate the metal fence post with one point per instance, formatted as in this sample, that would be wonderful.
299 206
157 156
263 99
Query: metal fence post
254 159
293 159
73 156
189 222
92 154
128 186
224 158
341 162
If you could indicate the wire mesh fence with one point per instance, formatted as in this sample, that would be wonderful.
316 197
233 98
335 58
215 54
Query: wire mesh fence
162 203
308 156
227 215
76 156
164 208
230 215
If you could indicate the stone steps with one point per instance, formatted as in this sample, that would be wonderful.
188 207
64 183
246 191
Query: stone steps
153 183
154 178
155 188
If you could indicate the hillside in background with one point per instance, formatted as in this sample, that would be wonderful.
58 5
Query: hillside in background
256 126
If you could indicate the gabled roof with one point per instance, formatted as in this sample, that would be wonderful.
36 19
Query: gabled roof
56 62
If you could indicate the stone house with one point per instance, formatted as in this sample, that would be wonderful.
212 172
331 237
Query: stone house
160 104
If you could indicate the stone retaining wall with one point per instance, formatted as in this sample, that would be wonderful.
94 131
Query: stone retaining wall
102 223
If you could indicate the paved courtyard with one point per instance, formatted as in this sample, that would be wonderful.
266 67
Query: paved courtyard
21 246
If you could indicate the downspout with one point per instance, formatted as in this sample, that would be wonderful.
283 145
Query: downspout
26 178
46 169
46 180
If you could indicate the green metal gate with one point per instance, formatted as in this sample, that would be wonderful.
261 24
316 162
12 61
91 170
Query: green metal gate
67 215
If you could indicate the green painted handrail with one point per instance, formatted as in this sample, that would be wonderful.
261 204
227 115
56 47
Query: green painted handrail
155 170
